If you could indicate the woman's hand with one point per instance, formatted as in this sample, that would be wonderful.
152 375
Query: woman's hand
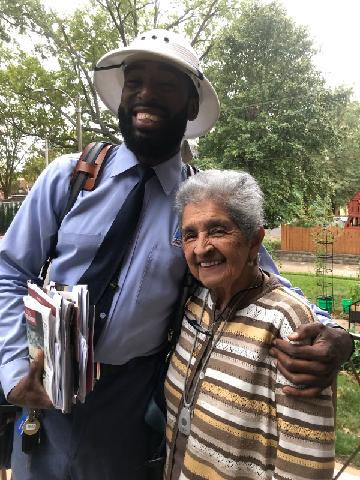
316 364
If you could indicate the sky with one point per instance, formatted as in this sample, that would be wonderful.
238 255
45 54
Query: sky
333 26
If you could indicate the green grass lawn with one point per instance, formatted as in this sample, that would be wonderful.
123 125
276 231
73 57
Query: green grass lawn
347 418
309 285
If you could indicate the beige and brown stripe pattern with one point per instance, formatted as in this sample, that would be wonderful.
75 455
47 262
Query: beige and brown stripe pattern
243 426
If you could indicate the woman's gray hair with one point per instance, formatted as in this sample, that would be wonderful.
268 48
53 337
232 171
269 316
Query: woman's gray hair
237 192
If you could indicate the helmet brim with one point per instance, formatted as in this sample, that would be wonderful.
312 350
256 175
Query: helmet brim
109 81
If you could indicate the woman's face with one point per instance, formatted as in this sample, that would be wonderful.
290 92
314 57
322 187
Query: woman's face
215 249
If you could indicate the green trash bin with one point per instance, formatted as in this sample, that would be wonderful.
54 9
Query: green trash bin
325 303
345 303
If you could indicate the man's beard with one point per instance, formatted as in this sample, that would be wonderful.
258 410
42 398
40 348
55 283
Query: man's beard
161 144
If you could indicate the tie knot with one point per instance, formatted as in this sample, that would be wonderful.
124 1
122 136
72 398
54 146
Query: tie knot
145 173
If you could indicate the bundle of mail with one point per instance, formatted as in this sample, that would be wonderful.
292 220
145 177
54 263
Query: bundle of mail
60 322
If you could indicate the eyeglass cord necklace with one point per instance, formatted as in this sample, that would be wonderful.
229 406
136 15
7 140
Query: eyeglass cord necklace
184 422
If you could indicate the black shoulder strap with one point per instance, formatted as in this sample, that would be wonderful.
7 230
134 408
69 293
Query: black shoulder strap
188 288
84 177
86 172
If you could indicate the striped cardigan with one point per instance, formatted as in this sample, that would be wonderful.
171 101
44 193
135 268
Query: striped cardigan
243 426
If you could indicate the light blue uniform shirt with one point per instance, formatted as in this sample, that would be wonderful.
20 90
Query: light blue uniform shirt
151 273
152 270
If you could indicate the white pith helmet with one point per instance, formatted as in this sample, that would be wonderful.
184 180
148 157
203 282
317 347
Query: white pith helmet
159 45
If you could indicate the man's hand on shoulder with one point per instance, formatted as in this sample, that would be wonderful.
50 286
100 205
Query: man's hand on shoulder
29 392
316 364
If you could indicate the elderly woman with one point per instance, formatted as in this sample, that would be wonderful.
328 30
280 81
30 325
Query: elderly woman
227 415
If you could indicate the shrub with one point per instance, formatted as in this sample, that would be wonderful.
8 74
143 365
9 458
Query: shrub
355 358
271 245
8 211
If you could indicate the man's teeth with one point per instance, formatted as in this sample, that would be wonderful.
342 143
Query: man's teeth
147 116
210 264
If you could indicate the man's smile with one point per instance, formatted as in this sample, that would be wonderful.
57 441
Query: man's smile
147 120
148 117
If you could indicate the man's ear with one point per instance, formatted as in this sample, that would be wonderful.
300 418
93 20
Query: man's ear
193 107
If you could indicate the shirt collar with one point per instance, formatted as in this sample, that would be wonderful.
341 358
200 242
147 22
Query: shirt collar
168 173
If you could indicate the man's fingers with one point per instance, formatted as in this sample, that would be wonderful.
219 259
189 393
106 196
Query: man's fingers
315 364
37 367
309 331
300 377
310 392
295 365
29 392
306 352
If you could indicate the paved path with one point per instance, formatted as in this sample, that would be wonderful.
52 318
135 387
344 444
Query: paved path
350 473
308 267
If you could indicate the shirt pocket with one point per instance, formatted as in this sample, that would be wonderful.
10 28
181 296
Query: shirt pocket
79 247
161 276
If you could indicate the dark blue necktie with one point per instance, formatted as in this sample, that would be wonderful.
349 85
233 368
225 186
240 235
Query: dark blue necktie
102 274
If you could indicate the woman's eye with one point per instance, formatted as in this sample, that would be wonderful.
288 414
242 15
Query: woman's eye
217 232
187 237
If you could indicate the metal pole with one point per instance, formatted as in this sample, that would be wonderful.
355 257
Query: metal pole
78 124
346 464
46 152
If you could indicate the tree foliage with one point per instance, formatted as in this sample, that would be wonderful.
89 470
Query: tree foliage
343 162
12 139
277 116
278 119
12 143
32 167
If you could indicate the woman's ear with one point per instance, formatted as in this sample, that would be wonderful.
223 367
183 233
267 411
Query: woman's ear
256 242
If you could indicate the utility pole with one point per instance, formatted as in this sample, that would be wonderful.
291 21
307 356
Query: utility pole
78 123
46 152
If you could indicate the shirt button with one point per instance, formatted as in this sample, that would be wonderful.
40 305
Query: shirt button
102 315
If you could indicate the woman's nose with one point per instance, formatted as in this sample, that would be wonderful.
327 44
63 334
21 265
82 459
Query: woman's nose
202 245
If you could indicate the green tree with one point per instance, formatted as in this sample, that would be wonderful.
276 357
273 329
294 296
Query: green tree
32 168
277 117
12 144
23 122
343 162
37 104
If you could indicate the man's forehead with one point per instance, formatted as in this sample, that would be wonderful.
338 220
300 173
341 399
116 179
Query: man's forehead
142 65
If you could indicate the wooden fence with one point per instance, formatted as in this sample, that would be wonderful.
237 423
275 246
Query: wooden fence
302 239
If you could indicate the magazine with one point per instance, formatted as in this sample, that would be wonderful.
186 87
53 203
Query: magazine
60 322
